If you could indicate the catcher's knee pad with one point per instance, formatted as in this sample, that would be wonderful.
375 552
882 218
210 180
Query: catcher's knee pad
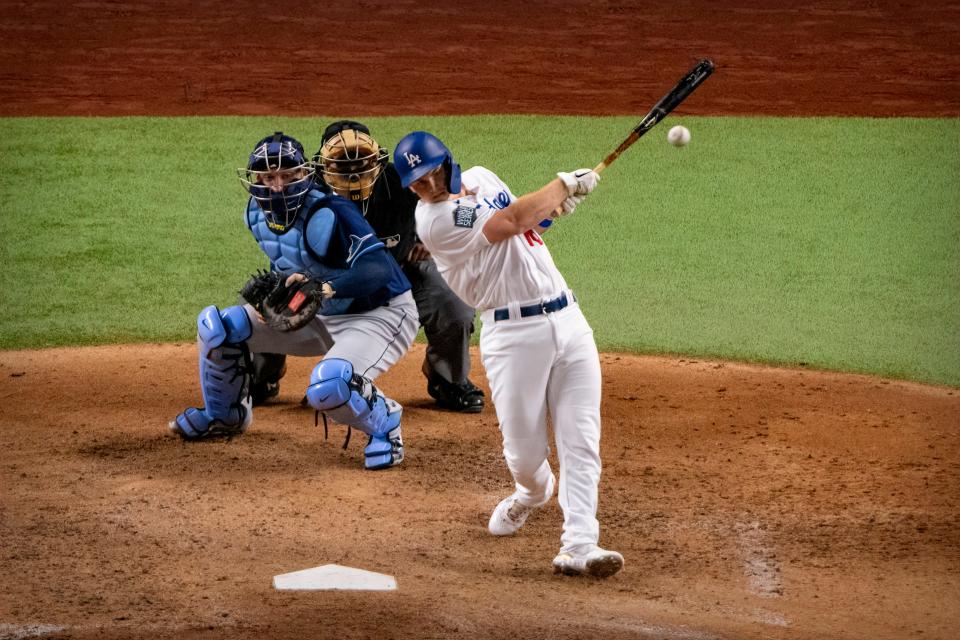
352 399
224 377
215 327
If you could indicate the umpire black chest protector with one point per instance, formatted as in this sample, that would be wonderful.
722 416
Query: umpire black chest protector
391 214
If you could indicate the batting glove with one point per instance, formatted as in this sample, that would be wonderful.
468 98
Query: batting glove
570 204
580 182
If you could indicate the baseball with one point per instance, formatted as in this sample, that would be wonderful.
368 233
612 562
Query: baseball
678 136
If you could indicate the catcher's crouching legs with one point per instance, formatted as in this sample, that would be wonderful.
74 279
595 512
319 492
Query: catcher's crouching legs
224 377
353 400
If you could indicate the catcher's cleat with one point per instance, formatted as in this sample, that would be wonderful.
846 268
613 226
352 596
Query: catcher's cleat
511 514
464 397
383 452
195 424
592 561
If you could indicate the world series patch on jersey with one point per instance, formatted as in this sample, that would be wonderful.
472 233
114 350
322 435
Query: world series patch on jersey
465 215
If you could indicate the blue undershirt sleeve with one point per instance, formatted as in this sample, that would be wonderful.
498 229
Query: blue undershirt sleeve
369 272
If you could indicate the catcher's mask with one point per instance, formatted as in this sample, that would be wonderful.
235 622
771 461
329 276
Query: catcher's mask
350 160
418 153
278 176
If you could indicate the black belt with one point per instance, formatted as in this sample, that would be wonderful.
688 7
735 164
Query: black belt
549 306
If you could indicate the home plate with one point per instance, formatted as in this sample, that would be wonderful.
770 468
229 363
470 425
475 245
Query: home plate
333 576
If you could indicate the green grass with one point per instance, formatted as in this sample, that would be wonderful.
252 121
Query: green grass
832 242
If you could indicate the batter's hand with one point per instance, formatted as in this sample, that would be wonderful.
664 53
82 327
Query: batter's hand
580 182
418 253
569 205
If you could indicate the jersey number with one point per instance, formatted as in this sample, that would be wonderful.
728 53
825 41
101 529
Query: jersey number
532 237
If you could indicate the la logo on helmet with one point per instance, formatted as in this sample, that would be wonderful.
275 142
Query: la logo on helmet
412 159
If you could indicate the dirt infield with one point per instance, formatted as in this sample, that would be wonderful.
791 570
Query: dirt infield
749 502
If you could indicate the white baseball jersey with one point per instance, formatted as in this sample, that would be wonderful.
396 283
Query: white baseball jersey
485 275
537 365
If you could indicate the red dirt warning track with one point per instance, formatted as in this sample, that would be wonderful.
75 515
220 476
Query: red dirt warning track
390 57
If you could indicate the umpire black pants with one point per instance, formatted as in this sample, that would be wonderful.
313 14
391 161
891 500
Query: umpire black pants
447 322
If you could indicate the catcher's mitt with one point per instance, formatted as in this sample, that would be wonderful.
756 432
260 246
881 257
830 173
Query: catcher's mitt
284 307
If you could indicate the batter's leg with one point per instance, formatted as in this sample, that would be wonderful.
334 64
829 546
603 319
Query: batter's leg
517 358
574 394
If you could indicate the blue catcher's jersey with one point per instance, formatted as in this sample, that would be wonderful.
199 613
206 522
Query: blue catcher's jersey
325 242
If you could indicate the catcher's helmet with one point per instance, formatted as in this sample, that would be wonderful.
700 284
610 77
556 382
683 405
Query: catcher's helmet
419 153
278 157
350 160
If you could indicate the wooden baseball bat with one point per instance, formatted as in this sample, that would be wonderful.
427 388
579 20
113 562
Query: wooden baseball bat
690 81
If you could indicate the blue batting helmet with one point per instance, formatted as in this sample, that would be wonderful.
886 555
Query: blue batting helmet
419 153
278 153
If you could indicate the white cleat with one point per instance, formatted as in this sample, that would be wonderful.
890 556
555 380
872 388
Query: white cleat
510 514
595 562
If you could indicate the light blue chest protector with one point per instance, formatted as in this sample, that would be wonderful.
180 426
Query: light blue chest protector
294 250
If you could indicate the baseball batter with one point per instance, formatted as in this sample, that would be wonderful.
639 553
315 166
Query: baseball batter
535 342
367 321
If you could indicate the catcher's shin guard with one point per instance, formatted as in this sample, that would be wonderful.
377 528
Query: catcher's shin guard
384 451
224 378
353 400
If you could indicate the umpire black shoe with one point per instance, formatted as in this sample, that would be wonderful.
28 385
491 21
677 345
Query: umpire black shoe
266 370
260 392
464 397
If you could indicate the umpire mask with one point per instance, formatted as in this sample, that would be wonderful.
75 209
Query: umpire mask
351 161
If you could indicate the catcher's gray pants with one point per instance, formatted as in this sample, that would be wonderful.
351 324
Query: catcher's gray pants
372 341
446 319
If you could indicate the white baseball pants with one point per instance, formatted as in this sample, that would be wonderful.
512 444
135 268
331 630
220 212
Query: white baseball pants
549 364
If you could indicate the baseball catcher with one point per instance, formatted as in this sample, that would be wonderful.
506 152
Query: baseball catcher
332 290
